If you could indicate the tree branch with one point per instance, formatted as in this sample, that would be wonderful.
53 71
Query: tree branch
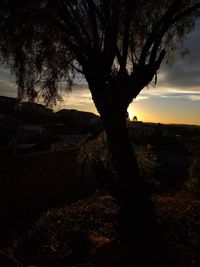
111 35
185 13
159 60
77 17
126 35
82 50
159 30
92 9
118 55
166 26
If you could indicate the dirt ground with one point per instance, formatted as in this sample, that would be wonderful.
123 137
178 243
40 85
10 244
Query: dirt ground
73 234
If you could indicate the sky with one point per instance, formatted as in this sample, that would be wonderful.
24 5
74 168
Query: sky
174 99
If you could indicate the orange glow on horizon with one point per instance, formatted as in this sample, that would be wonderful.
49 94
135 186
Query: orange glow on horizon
145 110
133 112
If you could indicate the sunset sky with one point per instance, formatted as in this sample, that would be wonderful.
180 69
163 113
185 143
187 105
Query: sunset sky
175 98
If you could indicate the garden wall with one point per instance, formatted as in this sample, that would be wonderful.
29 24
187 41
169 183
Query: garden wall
37 180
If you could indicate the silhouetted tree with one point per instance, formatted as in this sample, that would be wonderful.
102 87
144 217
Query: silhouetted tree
118 45
135 118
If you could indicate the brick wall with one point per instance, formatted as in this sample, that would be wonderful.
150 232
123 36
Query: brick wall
37 180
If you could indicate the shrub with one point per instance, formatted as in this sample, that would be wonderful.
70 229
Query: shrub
193 183
147 161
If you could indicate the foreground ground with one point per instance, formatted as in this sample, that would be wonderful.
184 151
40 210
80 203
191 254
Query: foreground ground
76 233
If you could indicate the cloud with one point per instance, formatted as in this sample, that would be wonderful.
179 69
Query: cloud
194 97
185 73
142 97
8 88
80 98
169 93
7 83
5 75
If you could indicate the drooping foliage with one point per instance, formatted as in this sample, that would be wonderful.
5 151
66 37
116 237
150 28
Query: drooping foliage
46 42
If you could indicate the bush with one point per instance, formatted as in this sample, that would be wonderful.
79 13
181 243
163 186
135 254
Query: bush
147 161
193 183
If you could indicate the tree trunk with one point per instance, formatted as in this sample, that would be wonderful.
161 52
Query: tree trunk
137 218
132 191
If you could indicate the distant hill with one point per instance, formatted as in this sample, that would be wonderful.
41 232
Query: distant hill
73 114
7 103
65 121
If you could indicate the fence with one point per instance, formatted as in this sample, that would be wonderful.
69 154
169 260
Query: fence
37 180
